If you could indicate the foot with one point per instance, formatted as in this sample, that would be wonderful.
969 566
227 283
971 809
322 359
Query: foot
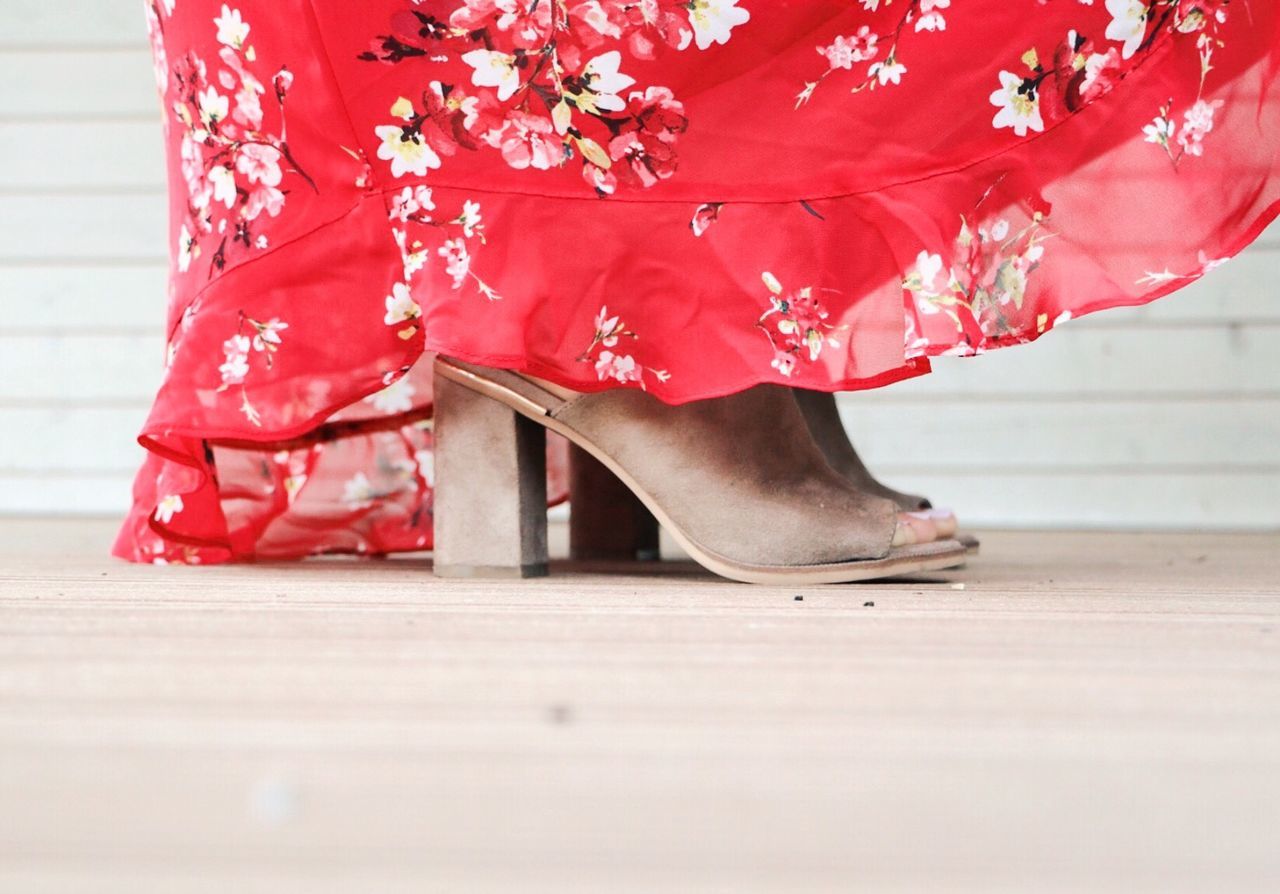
743 489
823 418
608 522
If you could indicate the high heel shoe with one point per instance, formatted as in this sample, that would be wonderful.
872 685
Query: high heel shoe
736 481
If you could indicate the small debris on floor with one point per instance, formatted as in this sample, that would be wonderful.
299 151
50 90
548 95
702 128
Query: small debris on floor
799 598
868 604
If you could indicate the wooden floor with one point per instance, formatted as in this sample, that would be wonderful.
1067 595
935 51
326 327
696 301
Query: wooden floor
1072 712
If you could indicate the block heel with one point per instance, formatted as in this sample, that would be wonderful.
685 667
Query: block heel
490 510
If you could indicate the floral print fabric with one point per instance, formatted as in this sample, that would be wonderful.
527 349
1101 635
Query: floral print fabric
685 196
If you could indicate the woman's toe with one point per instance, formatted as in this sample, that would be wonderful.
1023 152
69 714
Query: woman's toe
921 525
944 520
903 533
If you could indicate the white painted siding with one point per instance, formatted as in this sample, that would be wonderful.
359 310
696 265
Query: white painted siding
1162 416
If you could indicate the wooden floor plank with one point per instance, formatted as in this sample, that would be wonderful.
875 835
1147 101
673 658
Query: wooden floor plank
1072 712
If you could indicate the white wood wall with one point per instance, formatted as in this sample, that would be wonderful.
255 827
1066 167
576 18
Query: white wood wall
1163 417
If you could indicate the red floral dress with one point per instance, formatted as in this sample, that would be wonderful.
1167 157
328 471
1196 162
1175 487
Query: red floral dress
685 196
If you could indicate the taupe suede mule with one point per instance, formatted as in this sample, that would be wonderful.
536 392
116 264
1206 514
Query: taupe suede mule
737 481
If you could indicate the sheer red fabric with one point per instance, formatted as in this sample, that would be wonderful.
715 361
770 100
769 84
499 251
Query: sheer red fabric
685 196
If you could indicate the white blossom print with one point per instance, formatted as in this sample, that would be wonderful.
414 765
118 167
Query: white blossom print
252 339
874 52
605 354
548 85
234 164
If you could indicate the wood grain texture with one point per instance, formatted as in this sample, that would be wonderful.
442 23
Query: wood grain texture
50 155
116 83
1102 498
84 227
65 24
1071 713
74 298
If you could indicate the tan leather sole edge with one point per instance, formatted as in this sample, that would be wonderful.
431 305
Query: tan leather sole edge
538 405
